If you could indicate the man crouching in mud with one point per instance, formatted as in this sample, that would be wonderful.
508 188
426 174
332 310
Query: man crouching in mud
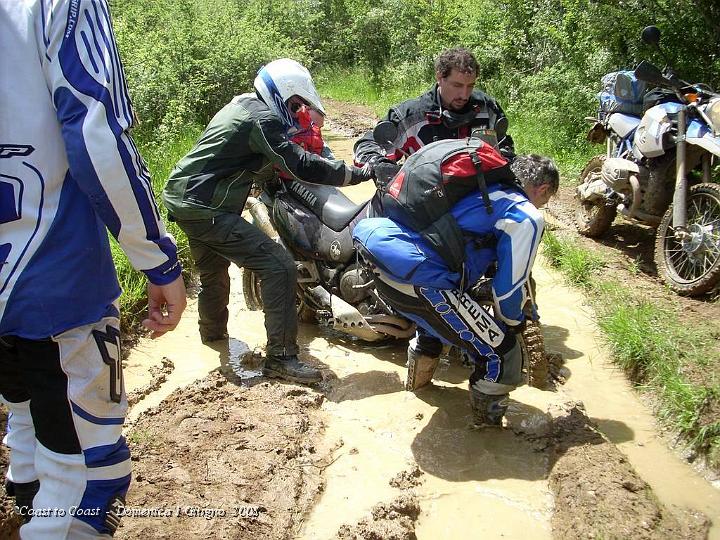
418 283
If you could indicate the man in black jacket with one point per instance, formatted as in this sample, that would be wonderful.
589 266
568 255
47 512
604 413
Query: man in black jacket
247 141
451 109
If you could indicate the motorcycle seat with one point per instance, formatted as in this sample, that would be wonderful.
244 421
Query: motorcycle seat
623 124
328 203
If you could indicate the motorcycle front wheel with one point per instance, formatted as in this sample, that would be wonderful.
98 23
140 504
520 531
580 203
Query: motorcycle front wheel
593 219
691 266
254 301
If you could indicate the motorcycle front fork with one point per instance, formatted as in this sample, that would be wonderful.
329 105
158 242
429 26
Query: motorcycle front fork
681 184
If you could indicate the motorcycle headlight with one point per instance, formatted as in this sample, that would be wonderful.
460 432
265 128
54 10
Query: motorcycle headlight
713 112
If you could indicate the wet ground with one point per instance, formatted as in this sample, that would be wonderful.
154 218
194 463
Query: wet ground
372 442
225 453
559 470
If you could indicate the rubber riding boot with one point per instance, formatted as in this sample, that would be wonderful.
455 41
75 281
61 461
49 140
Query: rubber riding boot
488 410
288 367
24 494
421 369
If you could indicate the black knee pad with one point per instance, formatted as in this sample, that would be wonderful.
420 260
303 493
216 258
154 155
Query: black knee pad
428 345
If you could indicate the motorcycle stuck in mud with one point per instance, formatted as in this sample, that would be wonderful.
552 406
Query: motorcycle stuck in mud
335 287
658 170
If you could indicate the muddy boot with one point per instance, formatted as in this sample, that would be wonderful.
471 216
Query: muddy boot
24 494
421 369
291 369
212 337
488 410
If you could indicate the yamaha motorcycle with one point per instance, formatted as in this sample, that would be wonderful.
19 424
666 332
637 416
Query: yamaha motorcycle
314 223
335 287
658 171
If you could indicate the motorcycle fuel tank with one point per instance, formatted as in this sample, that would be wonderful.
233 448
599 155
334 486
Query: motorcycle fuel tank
302 230
653 135
623 124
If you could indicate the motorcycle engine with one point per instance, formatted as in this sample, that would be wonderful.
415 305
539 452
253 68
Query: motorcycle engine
616 174
352 282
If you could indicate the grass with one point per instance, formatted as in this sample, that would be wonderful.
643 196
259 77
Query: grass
532 136
659 352
578 265
160 157
354 86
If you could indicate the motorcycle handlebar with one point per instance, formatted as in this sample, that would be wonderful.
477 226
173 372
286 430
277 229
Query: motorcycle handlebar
645 71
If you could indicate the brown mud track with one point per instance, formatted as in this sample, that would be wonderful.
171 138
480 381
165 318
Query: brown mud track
224 461
597 492
221 460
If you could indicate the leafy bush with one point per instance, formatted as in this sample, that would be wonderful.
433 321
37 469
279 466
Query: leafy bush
185 59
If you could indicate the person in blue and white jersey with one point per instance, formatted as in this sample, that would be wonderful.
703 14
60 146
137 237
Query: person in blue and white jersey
415 280
69 172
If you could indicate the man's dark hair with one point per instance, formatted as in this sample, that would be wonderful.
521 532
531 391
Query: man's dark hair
458 58
536 171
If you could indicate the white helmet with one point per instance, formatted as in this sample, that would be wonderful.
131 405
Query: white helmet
281 79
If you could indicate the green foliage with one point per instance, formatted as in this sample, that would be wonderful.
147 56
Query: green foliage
543 59
185 59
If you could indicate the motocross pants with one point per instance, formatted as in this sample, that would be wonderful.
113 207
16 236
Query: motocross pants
227 238
456 319
67 405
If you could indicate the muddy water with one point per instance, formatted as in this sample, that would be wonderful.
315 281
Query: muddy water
614 405
488 484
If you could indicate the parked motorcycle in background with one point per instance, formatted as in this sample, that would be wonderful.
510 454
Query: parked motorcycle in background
658 169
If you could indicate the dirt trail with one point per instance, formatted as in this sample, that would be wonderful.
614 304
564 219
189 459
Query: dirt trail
380 442
222 453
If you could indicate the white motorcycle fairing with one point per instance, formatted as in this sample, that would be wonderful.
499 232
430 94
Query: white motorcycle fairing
623 124
699 134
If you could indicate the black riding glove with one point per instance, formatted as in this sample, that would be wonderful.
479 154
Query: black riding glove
518 328
385 171
360 174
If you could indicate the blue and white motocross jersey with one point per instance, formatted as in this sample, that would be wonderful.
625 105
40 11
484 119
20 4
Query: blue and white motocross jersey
515 223
68 170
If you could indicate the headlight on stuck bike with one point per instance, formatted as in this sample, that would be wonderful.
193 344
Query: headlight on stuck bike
713 112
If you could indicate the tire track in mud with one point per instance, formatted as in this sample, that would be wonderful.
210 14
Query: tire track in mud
159 376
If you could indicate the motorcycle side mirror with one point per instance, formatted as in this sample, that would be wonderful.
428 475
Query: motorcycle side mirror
651 35
492 136
501 127
385 133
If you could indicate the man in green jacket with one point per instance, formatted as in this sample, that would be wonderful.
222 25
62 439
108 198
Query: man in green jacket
247 141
